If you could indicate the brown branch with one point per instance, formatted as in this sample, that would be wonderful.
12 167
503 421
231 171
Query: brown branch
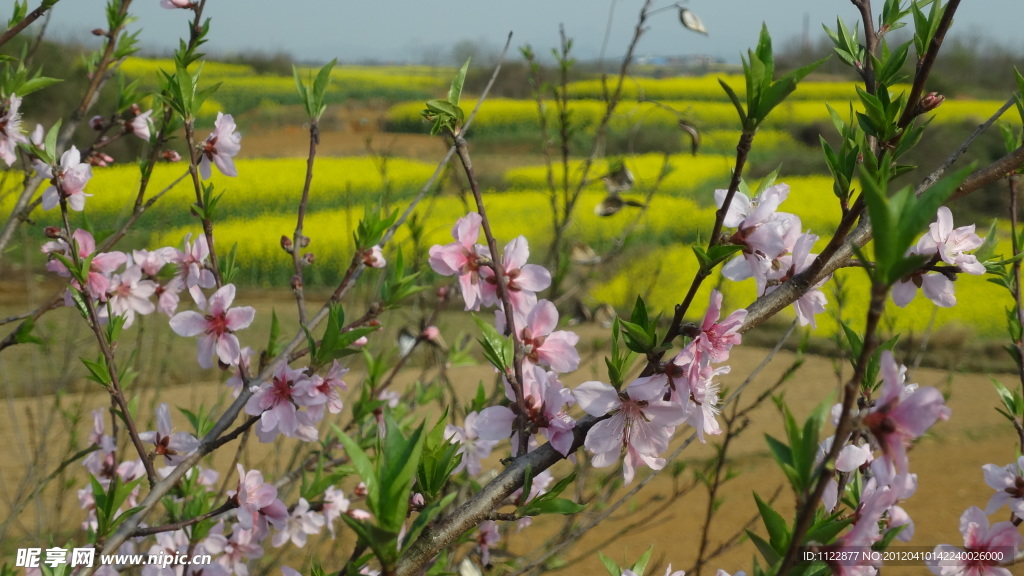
151 530
299 241
29 18
924 65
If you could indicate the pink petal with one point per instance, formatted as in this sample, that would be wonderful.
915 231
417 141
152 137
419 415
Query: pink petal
543 318
207 348
188 323
596 398
221 300
494 423
240 318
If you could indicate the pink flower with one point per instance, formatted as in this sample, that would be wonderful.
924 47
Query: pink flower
951 244
216 327
10 129
902 414
302 522
100 462
241 547
140 125
462 258
258 503
546 411
944 243
276 402
152 262
689 379
173 447
999 540
813 301
522 280
192 263
1008 481
473 448
335 504
641 423
717 338
129 294
327 389
486 537
70 177
175 4
543 344
100 268
220 147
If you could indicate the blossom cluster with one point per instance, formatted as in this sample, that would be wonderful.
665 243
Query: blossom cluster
639 420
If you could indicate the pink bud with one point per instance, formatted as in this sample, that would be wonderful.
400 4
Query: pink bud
431 333
286 244
296 282
931 101
136 110
361 490
171 155
307 258
97 123
442 293
360 342
52 232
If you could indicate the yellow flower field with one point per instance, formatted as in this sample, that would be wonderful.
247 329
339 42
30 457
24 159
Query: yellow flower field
517 116
268 185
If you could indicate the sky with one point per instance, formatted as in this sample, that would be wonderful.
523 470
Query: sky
421 31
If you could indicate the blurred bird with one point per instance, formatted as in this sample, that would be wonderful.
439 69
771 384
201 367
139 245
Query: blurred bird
618 179
584 255
691 21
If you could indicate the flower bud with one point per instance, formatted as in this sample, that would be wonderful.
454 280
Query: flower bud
136 110
443 292
362 341
296 282
52 232
361 490
286 244
304 241
307 258
374 258
431 333
171 155
931 101
99 32
97 123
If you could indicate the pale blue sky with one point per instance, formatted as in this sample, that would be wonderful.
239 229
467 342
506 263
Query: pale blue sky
418 30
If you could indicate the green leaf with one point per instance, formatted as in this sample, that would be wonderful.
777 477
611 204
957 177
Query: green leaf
610 565
455 92
641 563
778 530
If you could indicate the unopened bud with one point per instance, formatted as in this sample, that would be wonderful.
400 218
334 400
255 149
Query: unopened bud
52 232
136 110
97 123
373 323
442 293
431 333
361 489
99 32
307 258
304 241
286 244
931 101
362 341
374 258
171 155
296 282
